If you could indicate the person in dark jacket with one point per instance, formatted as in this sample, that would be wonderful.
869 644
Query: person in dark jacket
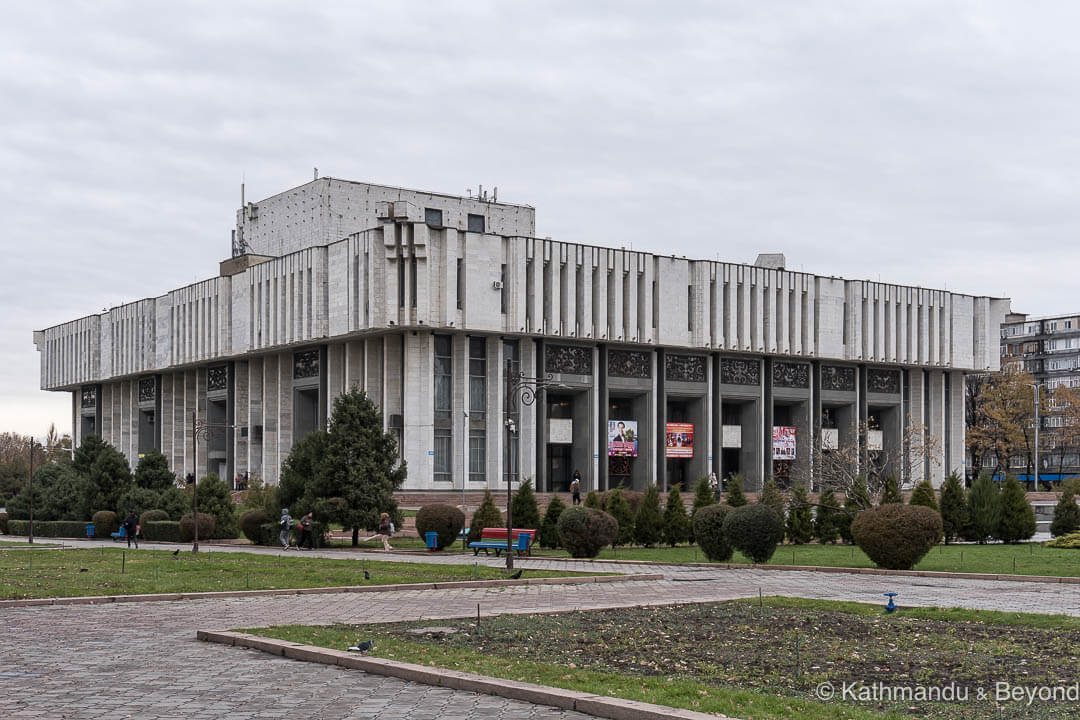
306 537
131 528
285 525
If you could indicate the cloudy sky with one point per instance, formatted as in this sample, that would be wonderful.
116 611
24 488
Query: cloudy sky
930 143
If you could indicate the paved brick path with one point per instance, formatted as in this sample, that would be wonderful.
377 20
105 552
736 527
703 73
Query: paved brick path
142 659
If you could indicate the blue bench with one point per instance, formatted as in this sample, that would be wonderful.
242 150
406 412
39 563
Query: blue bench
119 534
498 545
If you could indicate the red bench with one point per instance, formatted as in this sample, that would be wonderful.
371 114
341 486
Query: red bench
495 539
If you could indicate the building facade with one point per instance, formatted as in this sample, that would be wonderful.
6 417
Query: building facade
653 368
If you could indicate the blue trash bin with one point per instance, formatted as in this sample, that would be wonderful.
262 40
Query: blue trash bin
89 531
432 540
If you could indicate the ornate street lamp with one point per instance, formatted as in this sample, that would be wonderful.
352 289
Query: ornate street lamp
521 389
203 430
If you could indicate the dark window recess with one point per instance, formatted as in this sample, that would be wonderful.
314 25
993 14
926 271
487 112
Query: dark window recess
401 281
444 381
477 455
412 281
502 289
256 433
443 456
477 378
433 217
460 283
476 223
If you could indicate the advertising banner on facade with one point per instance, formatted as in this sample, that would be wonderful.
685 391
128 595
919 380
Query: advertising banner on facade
783 443
622 438
680 440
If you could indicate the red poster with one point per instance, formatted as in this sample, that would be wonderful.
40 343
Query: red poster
680 440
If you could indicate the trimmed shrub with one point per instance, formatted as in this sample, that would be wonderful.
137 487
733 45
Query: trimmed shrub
251 524
1066 514
649 523
709 531
207 523
525 514
592 500
549 528
800 521
677 527
754 530
896 537
486 516
825 517
633 498
104 522
954 512
890 492
215 498
150 516
771 497
923 494
984 509
162 531
735 497
446 520
50 528
583 531
1016 519
618 508
1069 542
703 497
3 523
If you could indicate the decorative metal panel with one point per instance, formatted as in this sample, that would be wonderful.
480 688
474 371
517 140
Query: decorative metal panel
685 368
740 372
217 378
89 397
571 359
147 389
629 363
305 364
791 375
883 381
834 377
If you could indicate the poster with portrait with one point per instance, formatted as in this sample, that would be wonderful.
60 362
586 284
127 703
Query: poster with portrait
679 440
622 438
783 443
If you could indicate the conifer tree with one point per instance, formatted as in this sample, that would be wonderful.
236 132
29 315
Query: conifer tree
772 498
153 472
1066 513
890 492
1016 518
954 508
618 508
800 523
735 496
649 522
825 518
984 509
592 500
549 528
526 514
488 516
923 494
857 499
676 521
703 497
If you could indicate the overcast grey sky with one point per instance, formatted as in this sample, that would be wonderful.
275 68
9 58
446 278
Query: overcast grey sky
930 143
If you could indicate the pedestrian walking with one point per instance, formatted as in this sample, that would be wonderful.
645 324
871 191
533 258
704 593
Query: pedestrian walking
306 537
285 526
715 485
575 488
131 528
386 529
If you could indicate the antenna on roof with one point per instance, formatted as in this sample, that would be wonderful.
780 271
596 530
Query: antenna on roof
316 174
495 194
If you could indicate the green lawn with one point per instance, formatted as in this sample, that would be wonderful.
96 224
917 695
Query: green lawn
747 661
1026 559
39 573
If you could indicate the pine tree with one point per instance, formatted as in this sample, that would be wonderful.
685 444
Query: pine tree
111 477
676 521
526 515
703 497
215 498
87 453
1016 519
825 519
649 522
890 492
984 509
592 500
735 497
923 494
954 507
1066 513
549 528
488 516
800 522
856 500
618 508
770 497
153 472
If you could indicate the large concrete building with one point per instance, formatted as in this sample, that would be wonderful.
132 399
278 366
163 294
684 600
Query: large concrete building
659 368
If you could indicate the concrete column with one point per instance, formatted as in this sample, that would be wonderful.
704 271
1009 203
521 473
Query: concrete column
957 457
936 426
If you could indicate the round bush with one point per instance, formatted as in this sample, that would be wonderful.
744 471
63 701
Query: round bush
754 530
709 532
150 516
251 524
446 520
3 523
206 527
583 531
105 522
896 537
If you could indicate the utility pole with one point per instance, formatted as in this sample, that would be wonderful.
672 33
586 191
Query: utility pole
31 483
195 479
1035 386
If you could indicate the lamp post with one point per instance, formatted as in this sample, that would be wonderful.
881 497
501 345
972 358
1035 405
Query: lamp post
1035 387
30 480
202 430
521 389
465 479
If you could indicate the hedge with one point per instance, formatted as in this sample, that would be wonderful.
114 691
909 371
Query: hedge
897 537
105 522
583 531
207 523
446 520
754 530
162 531
3 523
50 528
709 530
